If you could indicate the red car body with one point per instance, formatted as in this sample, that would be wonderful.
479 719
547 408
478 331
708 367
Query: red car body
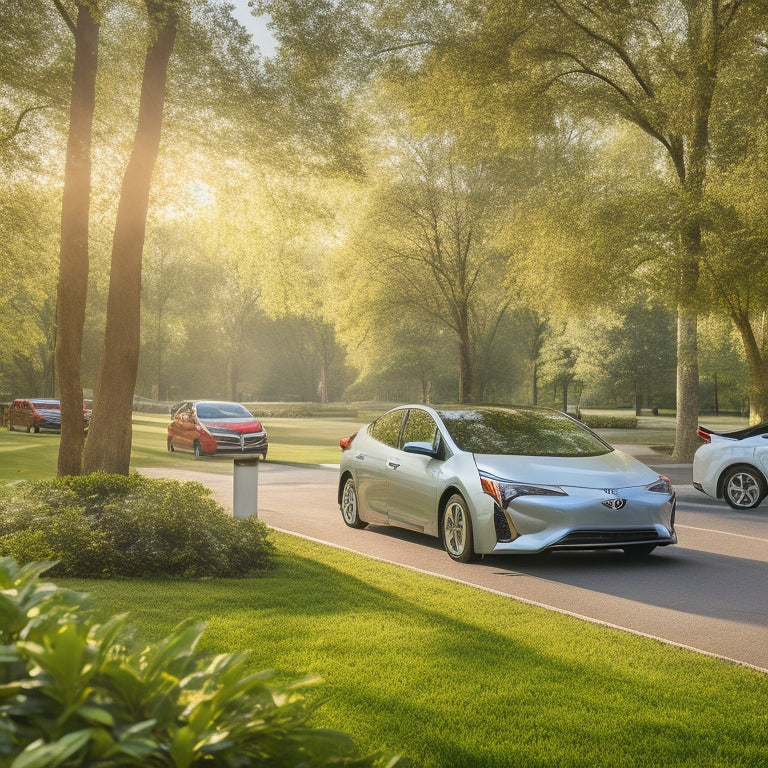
215 427
35 414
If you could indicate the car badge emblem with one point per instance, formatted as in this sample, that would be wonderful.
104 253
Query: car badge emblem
242 441
615 503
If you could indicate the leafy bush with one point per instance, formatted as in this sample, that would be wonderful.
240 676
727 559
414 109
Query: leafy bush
76 693
113 525
598 421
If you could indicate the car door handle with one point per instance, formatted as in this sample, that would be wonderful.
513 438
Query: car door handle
392 464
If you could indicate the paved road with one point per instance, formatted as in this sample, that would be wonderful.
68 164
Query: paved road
710 592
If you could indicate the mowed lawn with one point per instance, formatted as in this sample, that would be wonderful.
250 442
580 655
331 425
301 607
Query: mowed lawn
454 677
30 456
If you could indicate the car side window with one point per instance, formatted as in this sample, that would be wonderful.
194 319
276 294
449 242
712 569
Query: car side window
386 429
420 428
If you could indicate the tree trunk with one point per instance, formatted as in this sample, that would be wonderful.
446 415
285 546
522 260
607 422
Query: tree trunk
758 366
108 447
465 369
72 289
686 441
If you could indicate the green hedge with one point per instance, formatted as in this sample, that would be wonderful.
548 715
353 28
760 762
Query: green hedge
104 525
74 693
597 421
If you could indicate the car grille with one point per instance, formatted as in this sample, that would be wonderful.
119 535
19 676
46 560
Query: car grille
588 539
232 441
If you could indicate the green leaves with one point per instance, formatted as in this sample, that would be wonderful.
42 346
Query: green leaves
106 525
81 694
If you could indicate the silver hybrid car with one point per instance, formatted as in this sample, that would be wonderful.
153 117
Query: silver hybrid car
501 480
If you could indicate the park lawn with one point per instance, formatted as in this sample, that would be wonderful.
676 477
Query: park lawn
451 676
30 456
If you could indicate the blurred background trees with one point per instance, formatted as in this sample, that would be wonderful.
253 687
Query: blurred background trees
501 202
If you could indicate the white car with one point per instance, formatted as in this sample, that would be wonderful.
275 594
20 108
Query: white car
733 465
502 480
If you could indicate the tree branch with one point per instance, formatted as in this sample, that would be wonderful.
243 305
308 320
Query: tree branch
64 15
17 128
615 47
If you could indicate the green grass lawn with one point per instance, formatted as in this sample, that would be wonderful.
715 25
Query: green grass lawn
454 677
30 456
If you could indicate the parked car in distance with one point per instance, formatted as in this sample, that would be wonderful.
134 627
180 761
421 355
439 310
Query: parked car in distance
38 413
502 480
733 465
213 427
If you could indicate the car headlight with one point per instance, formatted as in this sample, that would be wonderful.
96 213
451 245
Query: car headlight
505 491
662 485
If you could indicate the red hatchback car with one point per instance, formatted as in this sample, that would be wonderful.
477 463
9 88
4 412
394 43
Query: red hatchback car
212 427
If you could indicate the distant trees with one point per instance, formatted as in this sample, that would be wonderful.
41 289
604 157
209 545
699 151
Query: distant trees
428 245
417 198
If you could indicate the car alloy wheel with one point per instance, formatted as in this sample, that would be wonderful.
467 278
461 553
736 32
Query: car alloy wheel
456 528
349 506
198 449
743 488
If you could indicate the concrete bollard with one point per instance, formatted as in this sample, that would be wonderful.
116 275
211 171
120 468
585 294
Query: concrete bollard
245 488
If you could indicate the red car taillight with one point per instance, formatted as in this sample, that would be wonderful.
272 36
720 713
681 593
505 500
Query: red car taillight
345 442
704 434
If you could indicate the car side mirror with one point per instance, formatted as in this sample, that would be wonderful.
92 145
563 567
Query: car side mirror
422 449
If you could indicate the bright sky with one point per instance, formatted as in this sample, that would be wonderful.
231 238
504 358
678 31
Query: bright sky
256 25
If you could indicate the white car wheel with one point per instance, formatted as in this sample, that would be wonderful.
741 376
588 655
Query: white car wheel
743 487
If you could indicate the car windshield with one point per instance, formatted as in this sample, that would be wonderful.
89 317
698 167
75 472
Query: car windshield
521 432
222 411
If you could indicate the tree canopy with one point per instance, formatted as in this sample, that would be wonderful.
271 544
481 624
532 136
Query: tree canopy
456 201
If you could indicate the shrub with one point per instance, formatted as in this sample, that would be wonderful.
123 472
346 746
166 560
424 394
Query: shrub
598 421
76 693
113 525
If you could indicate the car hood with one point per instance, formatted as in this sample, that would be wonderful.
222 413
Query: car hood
611 470
241 426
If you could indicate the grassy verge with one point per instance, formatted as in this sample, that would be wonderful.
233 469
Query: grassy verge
32 456
452 676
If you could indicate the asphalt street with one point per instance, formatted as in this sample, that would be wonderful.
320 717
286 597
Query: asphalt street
708 593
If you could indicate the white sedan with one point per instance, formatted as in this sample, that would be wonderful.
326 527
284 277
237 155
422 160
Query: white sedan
502 480
733 465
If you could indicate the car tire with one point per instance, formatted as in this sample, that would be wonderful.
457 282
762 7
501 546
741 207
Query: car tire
171 449
638 551
37 430
456 530
197 449
350 512
743 487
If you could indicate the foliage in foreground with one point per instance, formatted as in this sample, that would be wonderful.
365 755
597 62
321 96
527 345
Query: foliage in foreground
76 693
111 525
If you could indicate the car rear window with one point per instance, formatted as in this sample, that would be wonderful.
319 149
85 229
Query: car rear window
521 432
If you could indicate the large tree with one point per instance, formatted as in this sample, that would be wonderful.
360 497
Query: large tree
427 246
109 441
73 263
656 65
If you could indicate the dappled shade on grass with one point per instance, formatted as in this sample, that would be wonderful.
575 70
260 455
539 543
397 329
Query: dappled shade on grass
454 676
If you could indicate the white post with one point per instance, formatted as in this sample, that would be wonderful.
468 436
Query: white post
245 488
